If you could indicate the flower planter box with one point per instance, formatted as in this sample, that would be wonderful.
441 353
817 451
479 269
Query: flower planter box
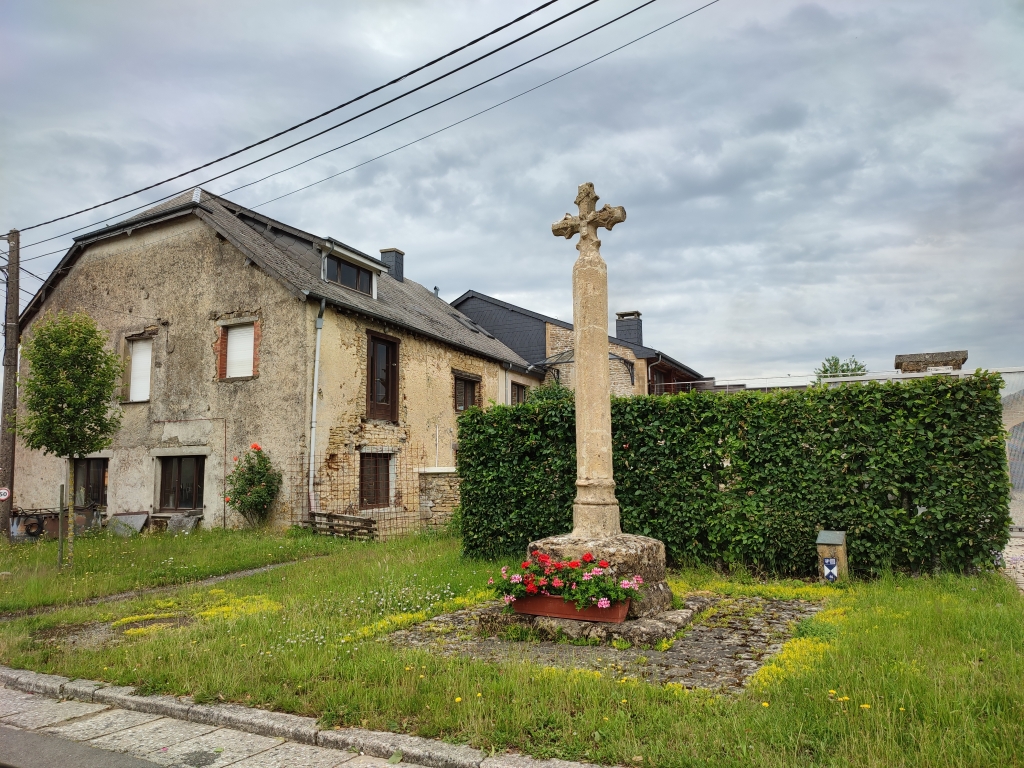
556 607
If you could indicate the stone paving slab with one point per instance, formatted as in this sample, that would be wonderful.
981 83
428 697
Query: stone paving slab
220 747
150 737
14 701
46 712
292 755
100 724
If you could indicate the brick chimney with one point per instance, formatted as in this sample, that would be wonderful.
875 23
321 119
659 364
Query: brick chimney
629 327
395 259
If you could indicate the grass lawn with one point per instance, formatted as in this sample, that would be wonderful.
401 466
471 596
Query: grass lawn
893 672
106 564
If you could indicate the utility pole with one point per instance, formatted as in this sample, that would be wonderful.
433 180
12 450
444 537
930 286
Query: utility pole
12 335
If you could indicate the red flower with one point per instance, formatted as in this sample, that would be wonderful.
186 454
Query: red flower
227 498
603 563
544 559
543 582
574 563
588 558
256 447
531 588
525 563
236 458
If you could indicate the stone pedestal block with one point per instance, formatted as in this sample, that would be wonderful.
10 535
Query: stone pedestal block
629 555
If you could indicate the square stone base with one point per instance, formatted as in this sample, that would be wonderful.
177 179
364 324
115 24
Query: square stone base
629 555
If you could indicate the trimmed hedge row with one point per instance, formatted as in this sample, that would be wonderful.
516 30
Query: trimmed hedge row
914 471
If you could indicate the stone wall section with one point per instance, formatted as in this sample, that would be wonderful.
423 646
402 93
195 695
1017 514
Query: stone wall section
439 495
561 339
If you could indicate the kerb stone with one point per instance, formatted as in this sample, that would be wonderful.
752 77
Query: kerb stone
258 721
434 754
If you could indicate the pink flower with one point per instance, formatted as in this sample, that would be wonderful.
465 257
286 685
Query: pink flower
638 580
557 582
490 581
573 585
604 602
626 584
509 599
504 570
516 578
587 577
597 571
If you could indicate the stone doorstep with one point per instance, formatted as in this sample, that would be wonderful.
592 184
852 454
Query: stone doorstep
414 749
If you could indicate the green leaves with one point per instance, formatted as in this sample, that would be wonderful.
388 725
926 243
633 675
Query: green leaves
69 390
914 471
253 486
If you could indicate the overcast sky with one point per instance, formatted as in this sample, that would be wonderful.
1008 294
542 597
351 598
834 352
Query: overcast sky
800 179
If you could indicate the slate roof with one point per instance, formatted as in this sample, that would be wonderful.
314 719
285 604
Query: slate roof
292 256
640 351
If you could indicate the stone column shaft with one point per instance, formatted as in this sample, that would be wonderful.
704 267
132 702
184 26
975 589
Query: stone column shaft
596 510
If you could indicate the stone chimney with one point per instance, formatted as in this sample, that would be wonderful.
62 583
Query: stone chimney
629 327
395 259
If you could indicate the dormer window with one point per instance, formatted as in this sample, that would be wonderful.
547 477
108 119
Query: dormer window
349 275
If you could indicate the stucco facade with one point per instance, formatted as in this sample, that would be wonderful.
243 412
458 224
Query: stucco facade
180 283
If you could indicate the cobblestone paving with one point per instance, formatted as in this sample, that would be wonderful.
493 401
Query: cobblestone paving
729 639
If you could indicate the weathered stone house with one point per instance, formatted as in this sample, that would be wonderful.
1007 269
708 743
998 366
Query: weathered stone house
225 319
547 343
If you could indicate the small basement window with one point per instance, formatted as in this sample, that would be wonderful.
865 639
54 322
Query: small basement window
349 275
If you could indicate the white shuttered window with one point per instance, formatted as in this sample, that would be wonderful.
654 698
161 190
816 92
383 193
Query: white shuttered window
142 356
240 347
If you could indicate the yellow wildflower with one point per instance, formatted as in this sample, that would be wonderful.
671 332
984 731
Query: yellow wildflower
865 706
458 699
764 704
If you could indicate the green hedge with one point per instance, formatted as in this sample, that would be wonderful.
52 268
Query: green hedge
915 472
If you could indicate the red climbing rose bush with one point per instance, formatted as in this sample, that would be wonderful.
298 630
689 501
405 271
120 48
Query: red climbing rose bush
253 486
586 582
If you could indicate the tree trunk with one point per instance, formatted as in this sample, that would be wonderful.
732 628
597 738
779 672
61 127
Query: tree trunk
71 513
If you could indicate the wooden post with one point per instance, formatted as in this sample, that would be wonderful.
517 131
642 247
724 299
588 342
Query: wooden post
832 564
12 335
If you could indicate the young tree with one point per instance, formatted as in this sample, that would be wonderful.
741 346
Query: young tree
831 367
69 394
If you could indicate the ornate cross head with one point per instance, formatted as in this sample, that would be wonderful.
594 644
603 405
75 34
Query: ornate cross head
589 219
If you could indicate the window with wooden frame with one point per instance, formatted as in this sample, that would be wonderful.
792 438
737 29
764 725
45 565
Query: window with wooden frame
374 480
381 377
347 274
181 483
91 482
518 393
467 390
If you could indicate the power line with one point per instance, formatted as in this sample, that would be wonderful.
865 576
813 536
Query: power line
463 120
409 144
347 103
371 133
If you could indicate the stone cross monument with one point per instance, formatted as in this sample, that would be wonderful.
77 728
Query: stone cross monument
595 513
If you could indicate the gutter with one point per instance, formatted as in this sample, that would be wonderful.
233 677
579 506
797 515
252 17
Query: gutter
313 506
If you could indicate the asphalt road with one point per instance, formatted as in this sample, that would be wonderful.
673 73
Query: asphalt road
25 749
